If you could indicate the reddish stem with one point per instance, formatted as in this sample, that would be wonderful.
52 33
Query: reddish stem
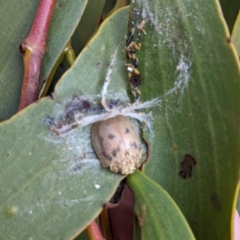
106 223
93 231
33 48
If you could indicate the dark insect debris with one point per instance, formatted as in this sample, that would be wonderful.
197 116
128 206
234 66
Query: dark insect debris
186 166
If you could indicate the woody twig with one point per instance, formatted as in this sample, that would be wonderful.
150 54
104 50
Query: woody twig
33 48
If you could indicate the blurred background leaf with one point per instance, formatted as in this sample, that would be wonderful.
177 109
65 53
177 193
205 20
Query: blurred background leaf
108 7
15 21
230 11
89 24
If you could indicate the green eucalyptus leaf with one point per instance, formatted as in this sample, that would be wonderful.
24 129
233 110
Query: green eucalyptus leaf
109 5
15 23
15 20
88 25
158 215
66 16
188 63
53 185
236 34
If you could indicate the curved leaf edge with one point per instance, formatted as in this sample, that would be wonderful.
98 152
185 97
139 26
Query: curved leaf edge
228 35
133 182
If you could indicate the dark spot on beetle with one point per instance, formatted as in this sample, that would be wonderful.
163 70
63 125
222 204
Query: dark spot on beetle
111 136
106 156
114 152
101 140
135 80
186 166
216 201
127 130
133 144
118 149
229 40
